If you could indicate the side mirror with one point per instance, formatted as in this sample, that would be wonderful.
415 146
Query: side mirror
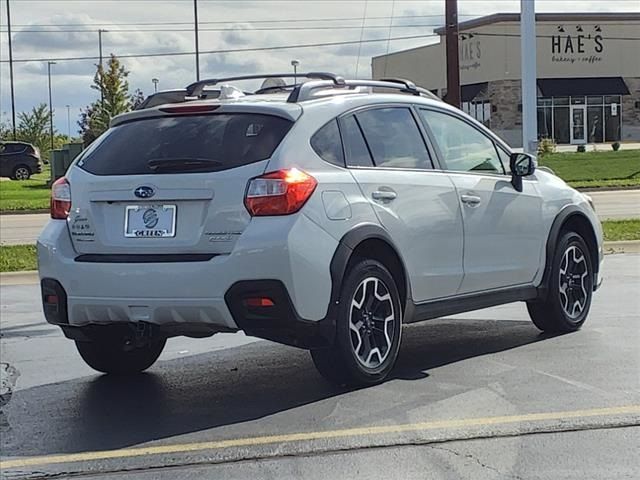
522 165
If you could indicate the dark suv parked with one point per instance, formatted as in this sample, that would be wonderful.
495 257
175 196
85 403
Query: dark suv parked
19 160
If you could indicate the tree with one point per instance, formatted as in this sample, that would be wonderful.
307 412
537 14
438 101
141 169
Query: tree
33 127
112 82
6 132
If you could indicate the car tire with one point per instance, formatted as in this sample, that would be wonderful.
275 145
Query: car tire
113 358
21 172
570 288
368 328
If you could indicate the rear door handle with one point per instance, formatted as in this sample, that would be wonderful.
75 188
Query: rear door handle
384 195
470 200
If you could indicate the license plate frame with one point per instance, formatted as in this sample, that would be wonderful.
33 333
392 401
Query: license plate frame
139 227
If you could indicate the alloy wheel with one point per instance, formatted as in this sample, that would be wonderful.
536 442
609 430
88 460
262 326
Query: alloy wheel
372 322
22 173
573 289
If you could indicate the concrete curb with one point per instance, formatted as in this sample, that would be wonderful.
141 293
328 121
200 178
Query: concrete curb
628 246
31 277
25 212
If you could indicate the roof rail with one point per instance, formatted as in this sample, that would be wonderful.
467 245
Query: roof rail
305 91
196 88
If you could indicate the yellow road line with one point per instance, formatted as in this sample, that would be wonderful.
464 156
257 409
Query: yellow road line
308 436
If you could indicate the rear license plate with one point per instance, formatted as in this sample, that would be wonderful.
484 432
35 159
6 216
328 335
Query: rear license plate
150 221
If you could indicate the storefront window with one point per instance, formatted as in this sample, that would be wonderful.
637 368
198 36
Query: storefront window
612 99
577 100
560 101
561 124
595 124
594 100
545 122
612 115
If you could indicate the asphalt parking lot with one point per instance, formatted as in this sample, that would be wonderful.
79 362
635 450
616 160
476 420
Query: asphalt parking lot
478 395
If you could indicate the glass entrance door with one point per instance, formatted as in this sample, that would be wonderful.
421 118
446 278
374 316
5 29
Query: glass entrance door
578 125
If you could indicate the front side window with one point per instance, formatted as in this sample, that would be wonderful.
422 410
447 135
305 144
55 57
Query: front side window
393 138
463 147
327 144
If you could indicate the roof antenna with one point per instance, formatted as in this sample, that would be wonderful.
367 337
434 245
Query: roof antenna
364 17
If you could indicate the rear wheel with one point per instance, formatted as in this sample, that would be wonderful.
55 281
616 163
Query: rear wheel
568 300
368 328
113 357
21 172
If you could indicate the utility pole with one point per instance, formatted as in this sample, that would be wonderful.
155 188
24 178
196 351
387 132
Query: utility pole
68 121
100 32
528 58
195 24
453 60
13 98
50 105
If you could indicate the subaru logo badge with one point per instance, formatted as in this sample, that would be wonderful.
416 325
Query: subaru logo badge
144 192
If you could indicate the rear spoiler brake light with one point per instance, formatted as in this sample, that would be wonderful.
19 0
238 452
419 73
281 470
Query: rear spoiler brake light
186 109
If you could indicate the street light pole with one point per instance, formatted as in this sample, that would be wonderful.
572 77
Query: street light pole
528 58
50 104
13 99
295 64
155 84
195 25
68 121
100 32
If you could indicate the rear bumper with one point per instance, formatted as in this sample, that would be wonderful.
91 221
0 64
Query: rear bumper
293 250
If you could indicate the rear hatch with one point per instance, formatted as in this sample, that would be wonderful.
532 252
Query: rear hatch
170 184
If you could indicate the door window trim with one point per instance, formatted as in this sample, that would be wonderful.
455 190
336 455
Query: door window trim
440 157
423 135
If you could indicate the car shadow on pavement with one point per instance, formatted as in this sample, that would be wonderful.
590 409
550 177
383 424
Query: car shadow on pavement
255 389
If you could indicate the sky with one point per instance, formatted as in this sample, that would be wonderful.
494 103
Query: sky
144 27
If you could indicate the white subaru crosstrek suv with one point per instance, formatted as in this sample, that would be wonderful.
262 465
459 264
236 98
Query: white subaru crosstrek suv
322 215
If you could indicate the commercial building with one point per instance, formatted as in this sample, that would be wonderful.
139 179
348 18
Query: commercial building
588 69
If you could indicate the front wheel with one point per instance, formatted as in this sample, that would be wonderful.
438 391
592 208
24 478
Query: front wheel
368 328
568 300
112 357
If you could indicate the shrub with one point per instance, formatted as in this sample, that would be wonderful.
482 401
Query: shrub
615 146
546 146
582 149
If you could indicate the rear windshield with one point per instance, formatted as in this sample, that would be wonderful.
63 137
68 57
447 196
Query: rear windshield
185 144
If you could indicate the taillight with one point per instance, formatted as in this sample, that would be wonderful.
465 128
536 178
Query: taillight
60 199
279 193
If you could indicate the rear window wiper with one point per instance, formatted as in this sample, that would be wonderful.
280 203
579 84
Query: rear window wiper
178 164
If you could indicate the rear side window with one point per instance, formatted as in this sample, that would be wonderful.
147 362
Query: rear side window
394 138
327 144
356 150
14 148
185 144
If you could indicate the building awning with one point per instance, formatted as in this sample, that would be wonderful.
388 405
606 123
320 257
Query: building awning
564 87
469 92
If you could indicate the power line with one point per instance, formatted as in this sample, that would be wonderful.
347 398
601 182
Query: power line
268 29
224 22
230 50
